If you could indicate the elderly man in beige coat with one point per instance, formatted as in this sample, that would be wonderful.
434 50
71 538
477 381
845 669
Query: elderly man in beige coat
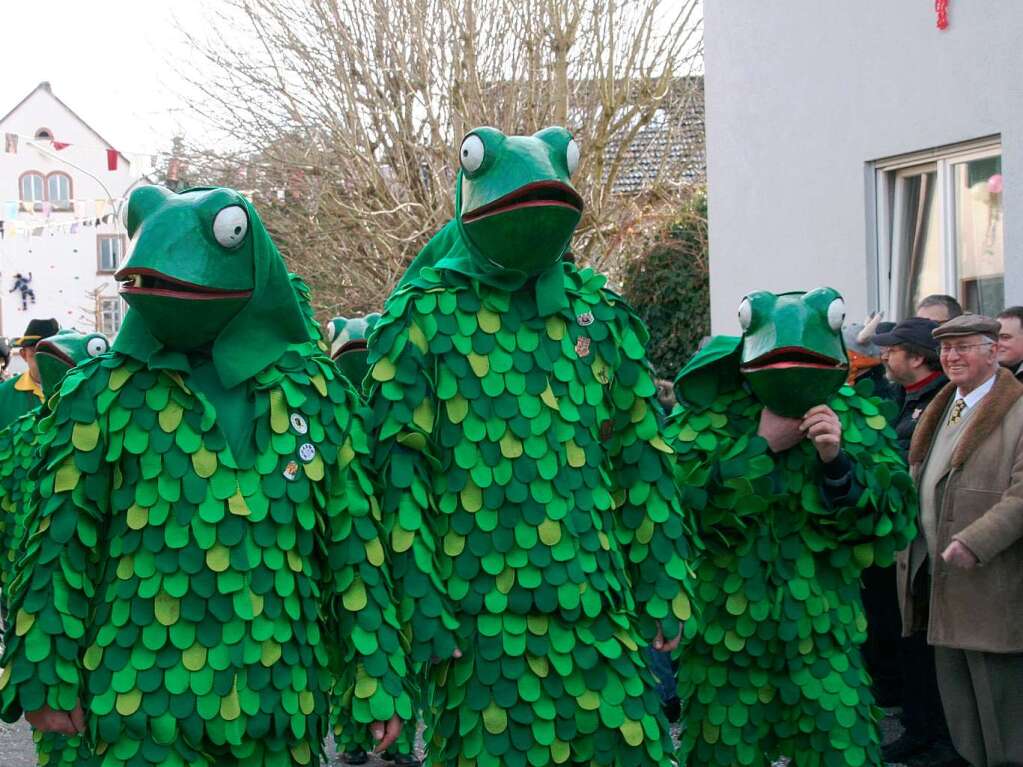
961 580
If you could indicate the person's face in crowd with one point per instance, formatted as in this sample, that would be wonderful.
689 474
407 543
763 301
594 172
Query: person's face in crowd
29 355
1010 342
968 361
898 365
937 312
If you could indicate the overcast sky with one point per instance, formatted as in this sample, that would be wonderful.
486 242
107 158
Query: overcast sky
105 59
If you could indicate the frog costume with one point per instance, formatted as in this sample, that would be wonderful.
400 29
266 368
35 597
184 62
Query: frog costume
776 668
55 356
204 568
526 489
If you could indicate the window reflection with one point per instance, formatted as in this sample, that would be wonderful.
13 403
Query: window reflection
980 260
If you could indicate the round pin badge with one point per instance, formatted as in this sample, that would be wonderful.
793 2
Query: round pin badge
585 319
307 452
298 423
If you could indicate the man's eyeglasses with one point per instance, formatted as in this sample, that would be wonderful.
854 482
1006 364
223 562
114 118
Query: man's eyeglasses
960 349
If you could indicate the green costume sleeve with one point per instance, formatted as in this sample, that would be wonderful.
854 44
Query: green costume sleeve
17 446
54 582
371 674
651 525
403 388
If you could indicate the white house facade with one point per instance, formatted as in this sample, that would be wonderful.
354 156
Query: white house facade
860 146
61 188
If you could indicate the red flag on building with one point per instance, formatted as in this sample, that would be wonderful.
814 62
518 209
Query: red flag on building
58 145
112 159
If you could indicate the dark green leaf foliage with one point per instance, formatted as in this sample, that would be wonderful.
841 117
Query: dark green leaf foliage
203 611
776 667
668 287
529 500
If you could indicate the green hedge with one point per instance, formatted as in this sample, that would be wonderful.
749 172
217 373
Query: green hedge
669 287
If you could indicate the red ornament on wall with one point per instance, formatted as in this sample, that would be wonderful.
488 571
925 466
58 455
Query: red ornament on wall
941 6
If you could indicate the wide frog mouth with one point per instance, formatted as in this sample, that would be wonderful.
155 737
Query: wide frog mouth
44 349
149 282
793 357
355 345
547 194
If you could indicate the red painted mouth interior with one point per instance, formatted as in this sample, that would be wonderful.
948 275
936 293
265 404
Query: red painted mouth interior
152 283
793 357
549 194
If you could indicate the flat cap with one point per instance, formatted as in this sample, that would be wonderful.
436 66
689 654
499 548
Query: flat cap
915 330
968 325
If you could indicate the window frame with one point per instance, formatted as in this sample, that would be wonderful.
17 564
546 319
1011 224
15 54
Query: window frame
70 191
36 204
886 175
99 252
101 303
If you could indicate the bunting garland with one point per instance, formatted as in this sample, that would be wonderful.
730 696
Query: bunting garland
111 155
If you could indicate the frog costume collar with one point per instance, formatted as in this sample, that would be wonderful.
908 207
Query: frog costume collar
515 213
231 293
791 354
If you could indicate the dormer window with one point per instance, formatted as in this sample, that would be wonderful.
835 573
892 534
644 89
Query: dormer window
44 134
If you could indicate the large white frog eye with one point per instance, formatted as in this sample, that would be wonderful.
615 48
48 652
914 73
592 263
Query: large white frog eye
230 226
331 331
472 153
572 156
836 314
745 314
97 346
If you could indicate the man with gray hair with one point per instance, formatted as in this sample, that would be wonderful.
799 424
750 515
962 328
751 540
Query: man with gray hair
961 580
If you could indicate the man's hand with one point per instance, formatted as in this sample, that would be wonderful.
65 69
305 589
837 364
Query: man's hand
824 429
385 733
46 719
661 646
958 555
780 433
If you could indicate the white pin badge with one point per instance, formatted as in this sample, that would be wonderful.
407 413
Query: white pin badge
307 452
585 319
291 470
298 423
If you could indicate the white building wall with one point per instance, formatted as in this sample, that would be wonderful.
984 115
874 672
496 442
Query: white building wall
64 265
802 95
